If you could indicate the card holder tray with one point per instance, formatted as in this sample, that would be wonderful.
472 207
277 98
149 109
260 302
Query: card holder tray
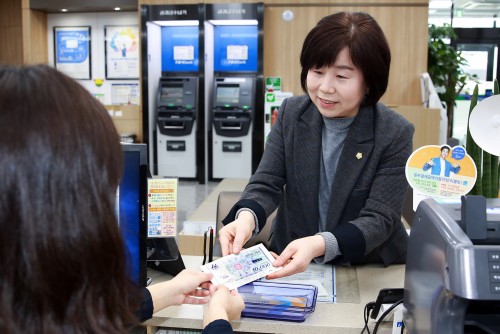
278 300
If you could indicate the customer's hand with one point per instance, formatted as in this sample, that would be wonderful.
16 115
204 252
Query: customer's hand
188 287
224 304
234 235
298 255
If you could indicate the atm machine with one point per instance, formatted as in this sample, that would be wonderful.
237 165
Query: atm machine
452 277
176 124
173 89
234 92
232 119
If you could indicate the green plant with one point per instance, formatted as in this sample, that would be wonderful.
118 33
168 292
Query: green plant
445 65
486 163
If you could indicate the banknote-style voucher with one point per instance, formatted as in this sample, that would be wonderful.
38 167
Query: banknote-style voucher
249 265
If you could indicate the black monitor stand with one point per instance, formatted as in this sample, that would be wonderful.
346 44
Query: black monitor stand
163 255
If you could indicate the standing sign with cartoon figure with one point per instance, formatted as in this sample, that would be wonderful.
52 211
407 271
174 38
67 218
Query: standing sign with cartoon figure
440 172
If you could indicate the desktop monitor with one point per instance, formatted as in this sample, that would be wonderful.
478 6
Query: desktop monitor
131 208
158 253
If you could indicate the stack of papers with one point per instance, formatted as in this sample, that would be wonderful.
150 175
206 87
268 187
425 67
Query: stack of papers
320 275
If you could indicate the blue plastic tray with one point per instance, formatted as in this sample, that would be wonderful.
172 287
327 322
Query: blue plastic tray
278 300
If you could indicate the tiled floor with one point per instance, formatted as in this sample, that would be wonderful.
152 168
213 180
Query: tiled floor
190 194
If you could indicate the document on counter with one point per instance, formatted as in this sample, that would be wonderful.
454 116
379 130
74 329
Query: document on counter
320 275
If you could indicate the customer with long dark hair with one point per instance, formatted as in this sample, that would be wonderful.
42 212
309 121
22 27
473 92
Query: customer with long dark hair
63 263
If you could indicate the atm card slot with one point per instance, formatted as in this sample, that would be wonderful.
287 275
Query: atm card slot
176 145
231 126
231 146
174 125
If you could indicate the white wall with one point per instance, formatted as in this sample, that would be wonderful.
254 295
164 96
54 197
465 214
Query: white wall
97 22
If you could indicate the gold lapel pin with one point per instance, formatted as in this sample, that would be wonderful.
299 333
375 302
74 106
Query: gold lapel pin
359 155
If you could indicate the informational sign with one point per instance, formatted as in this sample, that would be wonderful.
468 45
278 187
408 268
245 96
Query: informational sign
125 94
72 51
122 52
162 208
440 172
273 84
235 48
179 52
178 12
272 104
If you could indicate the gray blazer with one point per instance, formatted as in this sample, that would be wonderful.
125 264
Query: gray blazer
367 193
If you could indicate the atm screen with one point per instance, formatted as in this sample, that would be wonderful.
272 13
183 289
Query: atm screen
172 94
228 94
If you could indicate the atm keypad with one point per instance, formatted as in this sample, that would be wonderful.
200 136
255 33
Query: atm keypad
494 267
494 256
494 270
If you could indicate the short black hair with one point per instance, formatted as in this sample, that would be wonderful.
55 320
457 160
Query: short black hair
445 147
368 49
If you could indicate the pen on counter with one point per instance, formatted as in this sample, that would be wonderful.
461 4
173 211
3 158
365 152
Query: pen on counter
205 247
211 246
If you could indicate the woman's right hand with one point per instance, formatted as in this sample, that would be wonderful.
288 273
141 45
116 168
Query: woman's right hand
224 304
234 235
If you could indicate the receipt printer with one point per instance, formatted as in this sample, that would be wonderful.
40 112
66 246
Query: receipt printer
452 278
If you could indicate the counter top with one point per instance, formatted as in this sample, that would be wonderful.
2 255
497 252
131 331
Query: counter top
355 286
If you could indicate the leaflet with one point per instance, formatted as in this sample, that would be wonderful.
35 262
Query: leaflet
249 265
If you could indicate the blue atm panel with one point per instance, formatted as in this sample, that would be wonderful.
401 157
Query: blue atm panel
235 48
179 51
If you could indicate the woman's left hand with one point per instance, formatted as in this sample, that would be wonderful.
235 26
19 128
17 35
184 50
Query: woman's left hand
189 286
297 256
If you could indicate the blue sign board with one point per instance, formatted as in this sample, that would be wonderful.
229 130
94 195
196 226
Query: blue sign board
179 51
235 48
72 46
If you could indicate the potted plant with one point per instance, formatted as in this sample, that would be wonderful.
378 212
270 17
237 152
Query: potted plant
445 68
487 165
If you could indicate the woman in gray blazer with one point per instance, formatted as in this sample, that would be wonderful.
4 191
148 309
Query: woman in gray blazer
334 162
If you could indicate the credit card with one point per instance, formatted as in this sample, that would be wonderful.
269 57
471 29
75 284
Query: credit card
234 270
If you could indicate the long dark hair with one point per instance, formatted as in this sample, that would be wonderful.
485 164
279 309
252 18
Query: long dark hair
63 265
368 49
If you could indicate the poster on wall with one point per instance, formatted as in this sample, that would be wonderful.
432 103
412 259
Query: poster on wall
125 93
122 52
72 51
